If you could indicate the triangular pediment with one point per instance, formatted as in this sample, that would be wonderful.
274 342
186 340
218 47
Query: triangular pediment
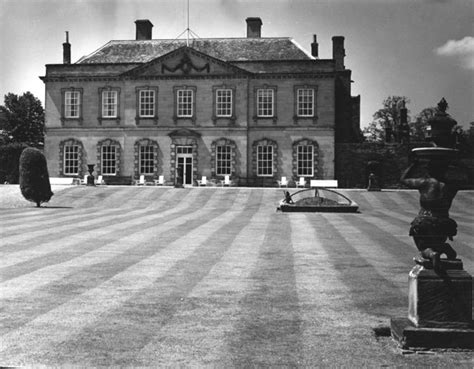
185 61
184 132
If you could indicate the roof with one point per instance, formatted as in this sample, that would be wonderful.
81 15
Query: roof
226 49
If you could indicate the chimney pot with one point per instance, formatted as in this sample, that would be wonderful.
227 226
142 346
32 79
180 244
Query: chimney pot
314 47
254 27
338 51
143 29
67 50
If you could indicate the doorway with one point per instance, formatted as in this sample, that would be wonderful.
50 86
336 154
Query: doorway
184 164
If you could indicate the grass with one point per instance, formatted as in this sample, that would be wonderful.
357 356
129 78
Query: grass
147 276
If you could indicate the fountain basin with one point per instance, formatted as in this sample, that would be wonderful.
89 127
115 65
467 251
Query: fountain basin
318 199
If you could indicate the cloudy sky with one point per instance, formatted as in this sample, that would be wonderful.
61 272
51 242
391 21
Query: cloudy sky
422 49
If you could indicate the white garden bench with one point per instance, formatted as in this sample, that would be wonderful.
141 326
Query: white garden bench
62 180
323 183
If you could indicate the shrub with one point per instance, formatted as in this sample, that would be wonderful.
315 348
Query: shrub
9 159
34 177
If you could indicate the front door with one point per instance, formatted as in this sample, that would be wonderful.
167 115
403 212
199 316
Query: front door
184 164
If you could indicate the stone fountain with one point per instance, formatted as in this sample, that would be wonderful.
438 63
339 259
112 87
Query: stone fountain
439 289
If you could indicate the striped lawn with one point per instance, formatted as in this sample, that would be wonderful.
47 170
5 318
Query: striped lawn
146 276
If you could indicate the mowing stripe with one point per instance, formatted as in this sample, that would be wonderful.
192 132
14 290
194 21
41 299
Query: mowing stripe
82 231
85 309
164 201
113 242
342 246
397 227
376 254
222 287
167 299
78 279
404 201
329 321
269 322
41 231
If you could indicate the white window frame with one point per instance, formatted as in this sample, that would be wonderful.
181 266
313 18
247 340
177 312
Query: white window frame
224 102
305 165
223 160
265 96
71 164
146 159
264 164
305 102
72 104
184 103
108 164
109 104
146 103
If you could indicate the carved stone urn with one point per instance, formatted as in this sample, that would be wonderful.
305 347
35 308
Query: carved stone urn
90 177
439 289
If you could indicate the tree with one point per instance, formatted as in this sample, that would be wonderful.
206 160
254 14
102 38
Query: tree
22 118
34 177
463 141
386 121
419 126
373 133
9 159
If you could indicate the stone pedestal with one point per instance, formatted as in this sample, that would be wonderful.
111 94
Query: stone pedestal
439 308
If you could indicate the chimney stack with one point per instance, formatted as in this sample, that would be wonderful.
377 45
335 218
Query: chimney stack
143 29
254 27
67 50
338 52
314 47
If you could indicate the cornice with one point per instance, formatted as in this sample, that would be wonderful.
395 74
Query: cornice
320 75
144 128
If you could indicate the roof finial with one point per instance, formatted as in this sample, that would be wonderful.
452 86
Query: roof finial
443 105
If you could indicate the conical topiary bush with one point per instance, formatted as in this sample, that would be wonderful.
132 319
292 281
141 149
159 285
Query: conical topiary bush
34 177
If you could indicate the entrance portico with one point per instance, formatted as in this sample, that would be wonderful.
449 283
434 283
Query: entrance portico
184 157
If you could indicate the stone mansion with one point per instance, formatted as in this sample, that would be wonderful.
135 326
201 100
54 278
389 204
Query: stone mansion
252 108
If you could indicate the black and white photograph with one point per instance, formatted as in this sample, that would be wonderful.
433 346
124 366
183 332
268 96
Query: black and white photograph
236 183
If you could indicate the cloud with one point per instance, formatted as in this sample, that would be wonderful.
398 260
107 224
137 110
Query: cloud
461 50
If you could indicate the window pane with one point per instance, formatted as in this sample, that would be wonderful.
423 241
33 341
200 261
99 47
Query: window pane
147 103
265 102
223 160
305 160
71 159
265 160
147 160
184 149
108 160
224 103
109 104
71 104
185 103
305 97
